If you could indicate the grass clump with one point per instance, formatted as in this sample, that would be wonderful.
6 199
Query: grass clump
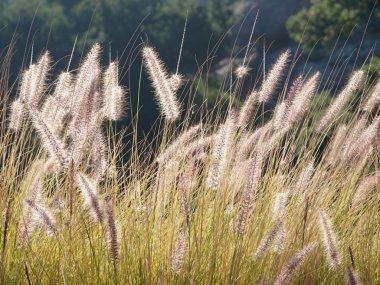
237 198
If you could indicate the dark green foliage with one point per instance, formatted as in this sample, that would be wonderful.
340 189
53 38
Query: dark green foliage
322 23
373 68
219 14
56 23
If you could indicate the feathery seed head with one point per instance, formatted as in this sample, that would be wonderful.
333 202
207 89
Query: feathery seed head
187 181
247 109
335 147
295 88
247 203
343 97
352 277
250 142
111 76
113 239
279 241
86 101
113 93
44 216
329 240
289 270
302 99
175 82
90 195
374 98
168 103
274 76
17 115
114 103
241 71
361 143
198 147
176 147
63 89
35 187
27 225
269 238
25 84
279 205
54 113
37 81
364 189
280 115
178 255
51 142
221 151
305 177
98 158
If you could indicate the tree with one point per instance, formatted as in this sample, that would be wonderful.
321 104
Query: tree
219 14
56 23
322 23
34 23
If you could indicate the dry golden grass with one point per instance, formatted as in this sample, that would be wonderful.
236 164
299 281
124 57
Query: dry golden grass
238 199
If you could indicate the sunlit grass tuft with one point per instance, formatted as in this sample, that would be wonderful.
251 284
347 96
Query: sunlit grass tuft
237 198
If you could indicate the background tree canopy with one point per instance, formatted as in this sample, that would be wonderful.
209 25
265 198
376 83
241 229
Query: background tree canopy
322 23
54 24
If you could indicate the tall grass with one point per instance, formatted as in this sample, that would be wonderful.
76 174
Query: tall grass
239 198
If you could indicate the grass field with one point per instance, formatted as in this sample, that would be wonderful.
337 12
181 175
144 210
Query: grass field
246 196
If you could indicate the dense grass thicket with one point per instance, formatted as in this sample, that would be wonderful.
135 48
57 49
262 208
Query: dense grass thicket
247 196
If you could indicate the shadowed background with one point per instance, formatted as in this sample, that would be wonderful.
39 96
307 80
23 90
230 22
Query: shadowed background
216 30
